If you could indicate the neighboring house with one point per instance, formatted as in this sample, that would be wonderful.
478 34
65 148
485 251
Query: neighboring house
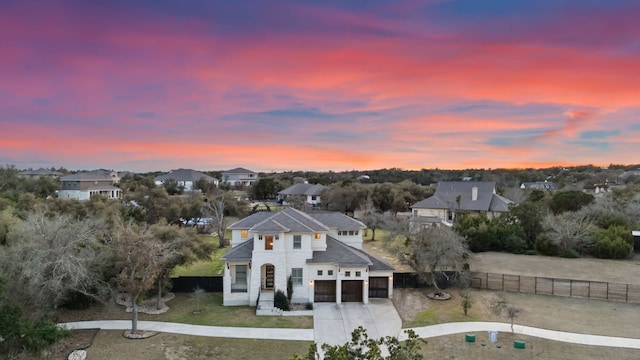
636 240
310 192
239 177
538 185
452 197
629 175
185 178
84 185
35 174
321 251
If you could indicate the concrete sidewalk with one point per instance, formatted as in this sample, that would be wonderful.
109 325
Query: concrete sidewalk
200 330
568 337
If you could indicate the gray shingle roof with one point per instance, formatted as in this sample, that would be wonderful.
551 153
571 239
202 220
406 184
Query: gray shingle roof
345 255
184 175
238 171
240 252
336 220
340 254
88 176
447 194
303 189
289 219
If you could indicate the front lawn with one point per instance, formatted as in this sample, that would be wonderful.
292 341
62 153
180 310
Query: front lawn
213 313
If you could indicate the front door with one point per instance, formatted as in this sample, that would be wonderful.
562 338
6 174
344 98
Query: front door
269 271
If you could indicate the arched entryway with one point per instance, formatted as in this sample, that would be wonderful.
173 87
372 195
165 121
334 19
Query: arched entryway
267 277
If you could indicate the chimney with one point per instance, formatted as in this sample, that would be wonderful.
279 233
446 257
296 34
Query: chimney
474 193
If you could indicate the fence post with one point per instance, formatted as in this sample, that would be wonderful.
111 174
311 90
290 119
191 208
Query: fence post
570 288
535 285
502 282
607 290
519 276
626 294
589 293
486 275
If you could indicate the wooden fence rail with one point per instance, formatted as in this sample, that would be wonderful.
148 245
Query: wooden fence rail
556 286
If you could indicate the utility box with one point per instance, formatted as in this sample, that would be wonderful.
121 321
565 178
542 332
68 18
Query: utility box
470 338
518 344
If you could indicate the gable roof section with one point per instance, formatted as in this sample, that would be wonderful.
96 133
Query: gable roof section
340 254
303 189
238 170
184 175
289 219
447 193
336 220
240 252
94 175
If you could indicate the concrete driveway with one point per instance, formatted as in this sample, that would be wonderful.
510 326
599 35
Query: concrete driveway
333 324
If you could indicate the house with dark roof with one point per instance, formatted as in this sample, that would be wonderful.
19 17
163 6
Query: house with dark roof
310 193
84 185
185 178
454 197
320 251
239 177
538 185
40 173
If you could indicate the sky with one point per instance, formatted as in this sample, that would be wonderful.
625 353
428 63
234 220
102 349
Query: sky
319 85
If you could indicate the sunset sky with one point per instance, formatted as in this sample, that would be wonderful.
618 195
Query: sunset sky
319 85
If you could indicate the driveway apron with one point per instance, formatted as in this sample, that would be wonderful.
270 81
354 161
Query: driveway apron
334 323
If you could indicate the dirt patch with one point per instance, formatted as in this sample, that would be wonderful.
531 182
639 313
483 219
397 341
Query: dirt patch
77 340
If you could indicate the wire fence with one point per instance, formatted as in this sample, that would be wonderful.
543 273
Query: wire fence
557 287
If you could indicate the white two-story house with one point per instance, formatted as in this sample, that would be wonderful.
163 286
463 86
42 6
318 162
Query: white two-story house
320 251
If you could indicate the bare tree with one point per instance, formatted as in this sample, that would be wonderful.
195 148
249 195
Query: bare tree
434 251
139 256
371 218
49 258
215 208
569 231
500 306
181 246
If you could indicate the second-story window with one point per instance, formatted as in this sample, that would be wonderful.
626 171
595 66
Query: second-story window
268 242
297 241
317 236
244 234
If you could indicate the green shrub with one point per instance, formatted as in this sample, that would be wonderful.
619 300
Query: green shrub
280 300
308 306
545 247
611 249
570 254
289 288
37 336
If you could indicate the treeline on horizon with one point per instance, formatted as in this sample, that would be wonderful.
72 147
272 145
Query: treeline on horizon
507 177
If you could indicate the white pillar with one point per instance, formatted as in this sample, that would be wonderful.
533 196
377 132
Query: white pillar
339 289
365 291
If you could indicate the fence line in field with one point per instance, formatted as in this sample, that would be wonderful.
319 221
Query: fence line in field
556 286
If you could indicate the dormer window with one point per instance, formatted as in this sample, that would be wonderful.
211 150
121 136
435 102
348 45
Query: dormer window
244 234
317 236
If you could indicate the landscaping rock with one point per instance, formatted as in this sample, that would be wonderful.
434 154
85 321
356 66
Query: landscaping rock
78 355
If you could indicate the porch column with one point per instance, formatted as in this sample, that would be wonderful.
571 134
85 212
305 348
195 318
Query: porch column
365 291
390 286
339 289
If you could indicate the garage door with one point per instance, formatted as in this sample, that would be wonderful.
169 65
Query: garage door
379 287
325 291
352 291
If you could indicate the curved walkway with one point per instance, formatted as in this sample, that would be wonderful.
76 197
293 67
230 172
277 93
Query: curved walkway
308 334
568 337
200 330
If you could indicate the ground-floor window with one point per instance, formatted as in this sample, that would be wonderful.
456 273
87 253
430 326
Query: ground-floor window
296 276
240 284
